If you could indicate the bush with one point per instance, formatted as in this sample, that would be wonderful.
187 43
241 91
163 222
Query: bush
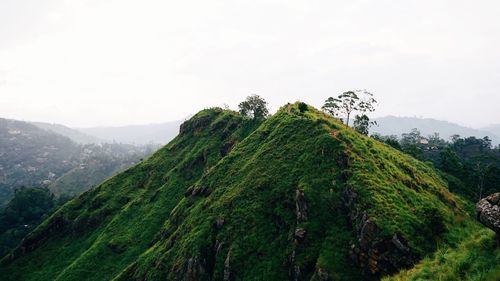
302 107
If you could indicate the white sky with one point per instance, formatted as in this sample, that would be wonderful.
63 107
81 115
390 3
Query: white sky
117 62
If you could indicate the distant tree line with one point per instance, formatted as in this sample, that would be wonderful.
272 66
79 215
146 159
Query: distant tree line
471 165
23 213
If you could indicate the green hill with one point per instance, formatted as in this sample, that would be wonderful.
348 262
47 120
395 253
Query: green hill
34 157
296 197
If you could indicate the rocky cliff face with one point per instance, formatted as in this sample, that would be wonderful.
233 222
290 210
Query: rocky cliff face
374 255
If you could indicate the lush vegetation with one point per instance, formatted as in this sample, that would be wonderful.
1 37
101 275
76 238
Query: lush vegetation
31 156
297 196
23 213
475 258
470 165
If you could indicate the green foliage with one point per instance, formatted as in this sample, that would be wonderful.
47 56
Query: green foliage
31 156
475 258
254 106
472 165
22 214
112 224
362 124
302 107
391 140
223 198
349 102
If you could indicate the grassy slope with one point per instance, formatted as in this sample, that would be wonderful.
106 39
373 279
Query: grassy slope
238 216
97 234
476 258
253 191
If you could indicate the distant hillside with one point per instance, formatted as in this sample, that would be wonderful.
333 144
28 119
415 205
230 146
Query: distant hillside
73 134
136 134
31 156
35 157
392 125
295 197
495 129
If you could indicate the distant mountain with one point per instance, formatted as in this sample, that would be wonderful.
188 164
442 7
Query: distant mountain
73 134
30 156
160 133
35 157
393 125
495 129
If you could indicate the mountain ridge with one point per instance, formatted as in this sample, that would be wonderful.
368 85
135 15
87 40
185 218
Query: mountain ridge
160 133
73 134
397 125
316 199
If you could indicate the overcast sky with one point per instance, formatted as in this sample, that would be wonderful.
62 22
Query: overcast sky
115 62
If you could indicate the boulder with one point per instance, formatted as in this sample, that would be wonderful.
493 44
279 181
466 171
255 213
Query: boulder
488 212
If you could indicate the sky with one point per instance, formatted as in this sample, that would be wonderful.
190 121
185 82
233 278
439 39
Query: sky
88 63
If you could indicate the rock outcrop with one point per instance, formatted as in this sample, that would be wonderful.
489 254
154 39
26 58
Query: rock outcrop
374 255
488 212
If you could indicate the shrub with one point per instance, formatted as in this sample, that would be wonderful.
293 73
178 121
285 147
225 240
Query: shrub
302 107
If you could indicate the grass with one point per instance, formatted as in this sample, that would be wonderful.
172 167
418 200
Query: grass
475 258
198 210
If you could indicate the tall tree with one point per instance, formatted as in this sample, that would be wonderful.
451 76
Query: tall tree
348 102
254 106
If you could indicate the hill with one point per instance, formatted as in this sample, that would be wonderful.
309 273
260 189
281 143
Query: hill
296 197
73 134
35 157
495 129
30 156
393 125
98 162
160 133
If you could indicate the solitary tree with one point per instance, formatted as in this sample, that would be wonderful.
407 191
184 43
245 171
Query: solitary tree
348 102
254 106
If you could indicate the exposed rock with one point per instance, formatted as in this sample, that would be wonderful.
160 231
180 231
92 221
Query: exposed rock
367 232
294 270
219 222
218 247
195 124
300 233
321 275
194 270
374 255
227 267
300 206
227 147
488 212
400 243
197 190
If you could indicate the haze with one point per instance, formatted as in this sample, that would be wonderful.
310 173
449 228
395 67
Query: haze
96 63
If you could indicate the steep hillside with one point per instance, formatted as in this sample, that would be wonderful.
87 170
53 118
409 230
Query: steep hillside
118 220
98 162
31 156
475 258
35 157
298 197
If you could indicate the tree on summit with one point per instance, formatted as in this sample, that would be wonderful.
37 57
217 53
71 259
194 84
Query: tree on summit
254 106
348 102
